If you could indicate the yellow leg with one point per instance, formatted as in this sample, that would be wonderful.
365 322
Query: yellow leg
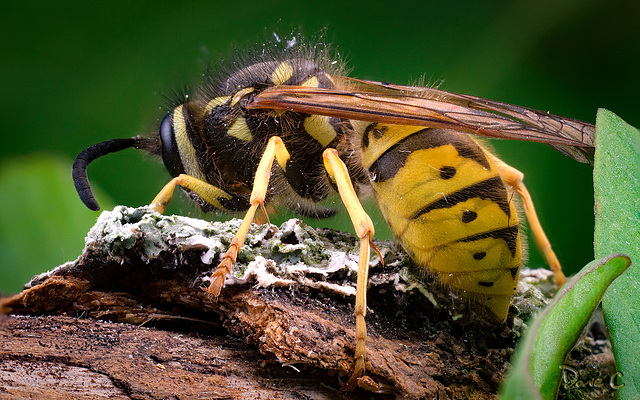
206 191
513 178
275 149
364 229
224 268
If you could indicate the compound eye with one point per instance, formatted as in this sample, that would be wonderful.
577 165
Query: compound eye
170 151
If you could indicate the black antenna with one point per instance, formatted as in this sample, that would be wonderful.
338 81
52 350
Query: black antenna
79 171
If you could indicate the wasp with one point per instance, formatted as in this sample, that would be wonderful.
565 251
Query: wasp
284 126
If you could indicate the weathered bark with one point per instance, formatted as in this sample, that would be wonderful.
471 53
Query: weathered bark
57 357
290 300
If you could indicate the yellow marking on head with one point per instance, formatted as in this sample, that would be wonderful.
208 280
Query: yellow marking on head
320 129
240 130
185 148
215 102
282 73
311 82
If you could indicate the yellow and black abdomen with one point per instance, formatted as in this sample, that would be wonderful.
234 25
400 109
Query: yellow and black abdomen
447 204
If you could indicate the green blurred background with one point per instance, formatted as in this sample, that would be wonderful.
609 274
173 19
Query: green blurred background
73 74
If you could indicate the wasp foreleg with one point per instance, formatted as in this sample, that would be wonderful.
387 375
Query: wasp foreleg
206 191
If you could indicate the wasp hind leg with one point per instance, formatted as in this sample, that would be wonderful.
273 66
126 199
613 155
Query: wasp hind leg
364 229
514 179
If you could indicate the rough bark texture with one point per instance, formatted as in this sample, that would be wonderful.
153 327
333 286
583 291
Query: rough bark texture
127 319
56 357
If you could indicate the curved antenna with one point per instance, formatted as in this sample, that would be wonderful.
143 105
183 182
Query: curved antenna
79 171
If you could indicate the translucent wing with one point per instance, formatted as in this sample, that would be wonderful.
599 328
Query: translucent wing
411 105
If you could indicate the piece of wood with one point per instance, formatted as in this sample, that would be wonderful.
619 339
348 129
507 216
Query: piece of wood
57 357
128 318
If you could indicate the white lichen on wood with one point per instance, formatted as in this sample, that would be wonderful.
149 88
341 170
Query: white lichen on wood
294 255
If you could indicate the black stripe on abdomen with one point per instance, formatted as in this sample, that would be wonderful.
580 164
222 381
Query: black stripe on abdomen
508 234
390 162
490 189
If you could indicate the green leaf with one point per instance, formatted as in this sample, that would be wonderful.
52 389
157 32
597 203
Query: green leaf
617 229
536 367
42 221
